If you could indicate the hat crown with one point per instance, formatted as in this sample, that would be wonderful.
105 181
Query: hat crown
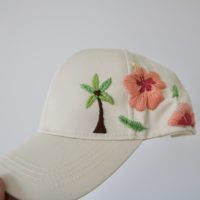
87 97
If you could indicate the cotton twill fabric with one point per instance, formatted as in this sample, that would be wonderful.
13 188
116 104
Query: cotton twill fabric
63 110
55 167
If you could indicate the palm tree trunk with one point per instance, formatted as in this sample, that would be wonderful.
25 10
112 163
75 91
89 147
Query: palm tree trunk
100 128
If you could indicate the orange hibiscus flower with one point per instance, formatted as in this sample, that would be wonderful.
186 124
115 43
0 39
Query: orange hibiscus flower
145 89
184 116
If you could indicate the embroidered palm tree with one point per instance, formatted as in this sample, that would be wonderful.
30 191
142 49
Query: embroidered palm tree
98 92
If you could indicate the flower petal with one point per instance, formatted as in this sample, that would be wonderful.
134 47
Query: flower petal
156 77
131 85
139 102
185 108
175 118
140 71
155 97
184 116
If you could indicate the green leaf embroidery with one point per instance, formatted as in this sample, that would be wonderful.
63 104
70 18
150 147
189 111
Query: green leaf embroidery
95 82
87 88
90 101
105 85
175 91
106 97
134 125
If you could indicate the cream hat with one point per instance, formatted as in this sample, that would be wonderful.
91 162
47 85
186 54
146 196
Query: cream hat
101 105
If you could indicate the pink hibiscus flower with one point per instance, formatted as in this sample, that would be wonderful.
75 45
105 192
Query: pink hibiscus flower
184 116
145 89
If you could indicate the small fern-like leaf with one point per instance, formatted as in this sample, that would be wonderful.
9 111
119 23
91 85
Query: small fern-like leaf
134 125
175 92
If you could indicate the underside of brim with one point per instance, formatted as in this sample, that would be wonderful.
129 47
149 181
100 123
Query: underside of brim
54 167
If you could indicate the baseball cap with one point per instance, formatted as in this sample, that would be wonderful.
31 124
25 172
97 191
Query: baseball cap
101 105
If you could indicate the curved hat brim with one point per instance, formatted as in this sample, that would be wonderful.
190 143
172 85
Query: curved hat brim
55 167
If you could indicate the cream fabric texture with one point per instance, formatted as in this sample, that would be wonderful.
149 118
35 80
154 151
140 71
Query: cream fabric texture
51 167
65 113
66 160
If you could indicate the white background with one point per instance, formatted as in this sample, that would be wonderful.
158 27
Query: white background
37 36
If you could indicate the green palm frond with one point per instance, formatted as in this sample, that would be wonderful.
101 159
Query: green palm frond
97 91
105 85
106 97
175 92
134 125
95 82
88 88
90 100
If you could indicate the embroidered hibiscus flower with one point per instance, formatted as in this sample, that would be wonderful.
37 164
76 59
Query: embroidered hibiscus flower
184 116
145 89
